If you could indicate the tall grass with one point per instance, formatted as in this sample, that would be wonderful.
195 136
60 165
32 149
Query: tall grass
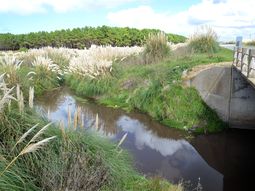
157 90
74 160
30 147
10 65
88 87
156 47
5 93
44 75
204 40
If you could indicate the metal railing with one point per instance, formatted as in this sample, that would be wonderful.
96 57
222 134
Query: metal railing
244 60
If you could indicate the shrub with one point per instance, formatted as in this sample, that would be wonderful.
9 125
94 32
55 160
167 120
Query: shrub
156 47
204 40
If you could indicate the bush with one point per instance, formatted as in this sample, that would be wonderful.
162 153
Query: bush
204 40
80 38
250 43
156 47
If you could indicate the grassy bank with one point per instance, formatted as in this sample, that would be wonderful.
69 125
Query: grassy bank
146 78
74 160
156 89
37 157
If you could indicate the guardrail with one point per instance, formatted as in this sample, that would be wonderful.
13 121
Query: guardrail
244 61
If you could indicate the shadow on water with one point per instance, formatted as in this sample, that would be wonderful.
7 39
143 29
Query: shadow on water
219 161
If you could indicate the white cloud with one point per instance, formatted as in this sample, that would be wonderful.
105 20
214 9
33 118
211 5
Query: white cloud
228 17
144 137
146 17
35 6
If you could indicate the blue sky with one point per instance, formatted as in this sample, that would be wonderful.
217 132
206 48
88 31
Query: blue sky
229 18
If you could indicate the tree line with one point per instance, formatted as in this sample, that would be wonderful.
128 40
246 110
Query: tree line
81 38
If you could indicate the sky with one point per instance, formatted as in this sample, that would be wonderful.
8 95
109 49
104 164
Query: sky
229 18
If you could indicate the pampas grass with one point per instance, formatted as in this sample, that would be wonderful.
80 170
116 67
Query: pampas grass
35 137
97 122
204 40
35 146
31 97
22 138
97 61
75 119
20 98
30 146
122 140
69 117
21 102
18 91
9 64
156 47
47 64
5 93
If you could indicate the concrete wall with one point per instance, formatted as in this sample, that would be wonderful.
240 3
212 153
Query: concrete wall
234 101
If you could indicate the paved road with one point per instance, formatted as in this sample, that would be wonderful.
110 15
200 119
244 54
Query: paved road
231 46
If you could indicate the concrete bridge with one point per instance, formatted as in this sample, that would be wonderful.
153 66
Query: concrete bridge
229 88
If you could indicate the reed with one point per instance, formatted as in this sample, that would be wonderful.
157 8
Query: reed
82 120
10 65
5 95
30 146
79 114
31 97
75 119
22 138
47 64
97 122
62 128
18 91
48 113
122 140
69 117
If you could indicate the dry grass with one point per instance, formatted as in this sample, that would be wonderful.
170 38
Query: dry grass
93 62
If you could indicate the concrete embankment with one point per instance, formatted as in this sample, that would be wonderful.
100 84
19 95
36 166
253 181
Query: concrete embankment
226 91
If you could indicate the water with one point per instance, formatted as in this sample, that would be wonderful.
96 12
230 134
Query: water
217 162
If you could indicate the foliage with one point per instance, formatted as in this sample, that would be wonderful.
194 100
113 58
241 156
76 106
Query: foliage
204 40
5 94
157 90
74 160
80 38
156 47
88 87
10 65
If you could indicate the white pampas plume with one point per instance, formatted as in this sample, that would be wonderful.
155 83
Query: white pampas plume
35 146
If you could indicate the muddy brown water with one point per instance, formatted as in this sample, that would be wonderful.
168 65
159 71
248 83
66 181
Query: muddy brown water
218 162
